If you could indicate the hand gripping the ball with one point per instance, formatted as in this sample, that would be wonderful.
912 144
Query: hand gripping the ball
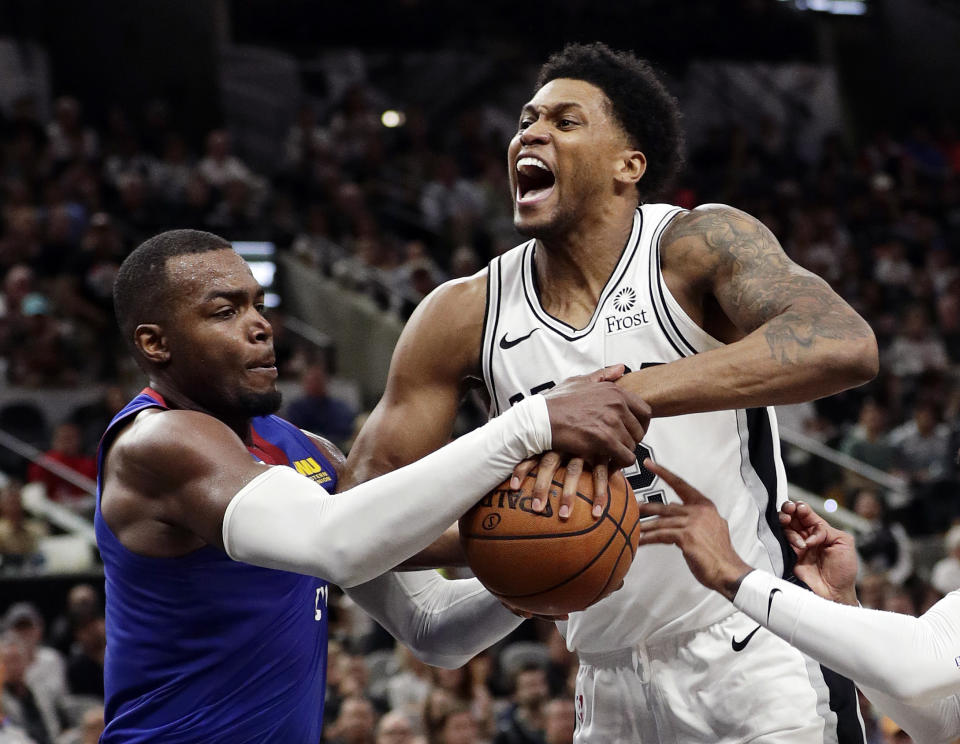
595 423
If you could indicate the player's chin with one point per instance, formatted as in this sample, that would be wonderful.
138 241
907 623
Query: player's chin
260 402
533 222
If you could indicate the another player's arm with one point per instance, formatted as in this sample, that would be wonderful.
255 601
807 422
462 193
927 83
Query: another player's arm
851 640
187 474
438 351
794 339
445 623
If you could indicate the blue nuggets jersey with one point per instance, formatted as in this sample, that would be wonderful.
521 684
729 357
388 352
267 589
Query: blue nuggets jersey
201 648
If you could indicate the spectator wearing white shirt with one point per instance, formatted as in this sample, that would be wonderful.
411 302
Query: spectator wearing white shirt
946 572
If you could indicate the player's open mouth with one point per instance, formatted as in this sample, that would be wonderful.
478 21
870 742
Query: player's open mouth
535 180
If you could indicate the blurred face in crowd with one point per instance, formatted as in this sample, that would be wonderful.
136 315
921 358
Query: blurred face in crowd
394 728
459 728
559 721
66 440
11 504
532 688
15 661
355 722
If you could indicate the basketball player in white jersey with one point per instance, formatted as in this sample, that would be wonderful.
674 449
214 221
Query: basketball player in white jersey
716 323
918 685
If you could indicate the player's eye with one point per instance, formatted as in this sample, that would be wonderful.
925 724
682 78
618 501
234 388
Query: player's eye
260 308
226 312
525 122
566 123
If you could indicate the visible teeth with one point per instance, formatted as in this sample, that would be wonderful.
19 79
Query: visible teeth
537 162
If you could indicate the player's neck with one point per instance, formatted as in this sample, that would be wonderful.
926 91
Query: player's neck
578 264
176 399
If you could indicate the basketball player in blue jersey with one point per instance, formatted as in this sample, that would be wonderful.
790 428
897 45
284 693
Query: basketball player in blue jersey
716 324
917 685
213 515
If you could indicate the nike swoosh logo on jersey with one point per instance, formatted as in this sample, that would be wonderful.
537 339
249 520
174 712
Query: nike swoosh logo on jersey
770 603
740 645
506 343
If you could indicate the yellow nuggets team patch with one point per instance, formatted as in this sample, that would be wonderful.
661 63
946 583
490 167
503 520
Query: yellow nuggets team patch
312 470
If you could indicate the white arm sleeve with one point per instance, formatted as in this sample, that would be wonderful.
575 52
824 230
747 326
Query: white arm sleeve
282 520
931 723
445 623
912 659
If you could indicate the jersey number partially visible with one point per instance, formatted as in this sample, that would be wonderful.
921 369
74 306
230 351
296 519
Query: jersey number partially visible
639 478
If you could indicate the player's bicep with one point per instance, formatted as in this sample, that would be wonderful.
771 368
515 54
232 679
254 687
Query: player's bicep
438 348
741 264
188 467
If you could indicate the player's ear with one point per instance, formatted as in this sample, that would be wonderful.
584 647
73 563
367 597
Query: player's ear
151 342
631 166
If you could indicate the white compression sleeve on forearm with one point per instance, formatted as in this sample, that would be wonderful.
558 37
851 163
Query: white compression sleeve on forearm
930 723
283 520
444 622
912 659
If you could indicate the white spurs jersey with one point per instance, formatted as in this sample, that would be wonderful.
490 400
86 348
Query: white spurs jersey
732 456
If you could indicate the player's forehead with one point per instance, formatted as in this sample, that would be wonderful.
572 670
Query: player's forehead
562 93
199 276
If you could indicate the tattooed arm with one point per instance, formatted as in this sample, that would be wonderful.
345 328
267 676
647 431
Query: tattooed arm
790 337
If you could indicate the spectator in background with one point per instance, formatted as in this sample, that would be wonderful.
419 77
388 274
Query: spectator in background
10 733
24 706
87 731
449 203
69 139
46 670
407 690
467 687
41 353
92 418
355 722
451 722
916 349
524 721
393 728
317 410
923 453
19 535
559 721
85 665
884 547
83 605
313 244
946 572
65 449
868 440
304 138
219 165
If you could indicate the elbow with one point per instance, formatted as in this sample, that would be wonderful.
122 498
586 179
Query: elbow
859 360
345 565
907 688
441 660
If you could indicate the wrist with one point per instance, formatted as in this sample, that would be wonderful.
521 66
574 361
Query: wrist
730 582
846 596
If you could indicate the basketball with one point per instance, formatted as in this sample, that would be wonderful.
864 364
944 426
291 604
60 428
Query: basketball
537 562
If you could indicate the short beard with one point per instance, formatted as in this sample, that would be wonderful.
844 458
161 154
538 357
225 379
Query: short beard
259 404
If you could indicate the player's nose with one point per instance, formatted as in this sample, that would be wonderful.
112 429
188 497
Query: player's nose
536 133
260 328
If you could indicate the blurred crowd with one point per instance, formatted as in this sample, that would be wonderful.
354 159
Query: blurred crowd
51 676
393 211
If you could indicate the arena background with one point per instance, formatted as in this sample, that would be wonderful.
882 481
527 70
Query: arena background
355 154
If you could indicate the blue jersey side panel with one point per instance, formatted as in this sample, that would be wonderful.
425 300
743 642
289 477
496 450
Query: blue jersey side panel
202 648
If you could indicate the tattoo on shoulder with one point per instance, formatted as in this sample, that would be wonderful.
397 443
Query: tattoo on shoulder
756 283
